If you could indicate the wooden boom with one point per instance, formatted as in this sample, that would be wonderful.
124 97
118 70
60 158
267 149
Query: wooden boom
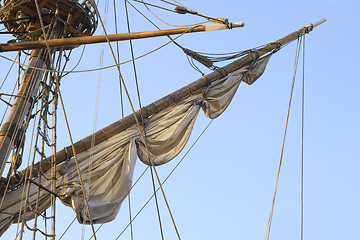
76 41
155 107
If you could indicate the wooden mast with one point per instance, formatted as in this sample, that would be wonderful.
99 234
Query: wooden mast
159 105
43 21
11 132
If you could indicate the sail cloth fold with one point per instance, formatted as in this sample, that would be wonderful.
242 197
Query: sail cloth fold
107 168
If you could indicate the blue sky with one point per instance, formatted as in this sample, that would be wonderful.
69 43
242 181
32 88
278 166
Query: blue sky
223 188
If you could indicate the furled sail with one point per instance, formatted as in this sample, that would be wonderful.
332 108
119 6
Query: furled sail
107 168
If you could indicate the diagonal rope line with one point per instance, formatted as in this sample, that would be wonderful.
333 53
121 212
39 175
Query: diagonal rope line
267 234
172 171
75 159
171 39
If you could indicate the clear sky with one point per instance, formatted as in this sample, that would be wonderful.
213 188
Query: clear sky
223 188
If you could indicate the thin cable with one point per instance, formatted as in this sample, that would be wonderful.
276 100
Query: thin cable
173 40
267 234
302 143
181 5
169 3
130 217
132 54
7 107
7 74
68 227
78 62
172 25
118 59
156 203
167 9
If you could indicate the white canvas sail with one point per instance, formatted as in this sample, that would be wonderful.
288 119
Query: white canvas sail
107 168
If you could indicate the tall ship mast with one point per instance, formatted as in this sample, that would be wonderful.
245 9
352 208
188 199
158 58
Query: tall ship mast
94 175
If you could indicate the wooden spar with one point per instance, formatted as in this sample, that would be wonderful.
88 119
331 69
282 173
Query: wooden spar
157 106
76 41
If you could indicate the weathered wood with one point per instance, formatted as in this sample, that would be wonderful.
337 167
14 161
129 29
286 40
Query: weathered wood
157 106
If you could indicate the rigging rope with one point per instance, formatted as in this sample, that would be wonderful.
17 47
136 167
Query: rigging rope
12 94
75 159
188 52
298 47
172 25
67 124
118 59
302 145
139 99
134 112
7 74
132 54
28 173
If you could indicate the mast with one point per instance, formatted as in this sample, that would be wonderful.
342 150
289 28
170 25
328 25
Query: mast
27 22
12 132
161 104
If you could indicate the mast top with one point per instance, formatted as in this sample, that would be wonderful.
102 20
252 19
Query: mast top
23 21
